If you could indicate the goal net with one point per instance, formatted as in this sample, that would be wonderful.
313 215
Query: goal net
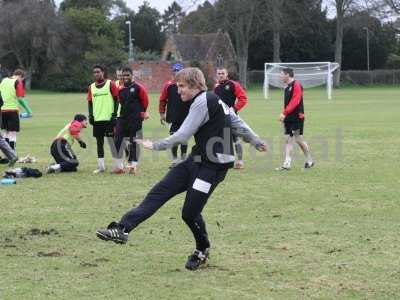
310 74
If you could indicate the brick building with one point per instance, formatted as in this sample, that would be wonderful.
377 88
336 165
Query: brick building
206 51
152 73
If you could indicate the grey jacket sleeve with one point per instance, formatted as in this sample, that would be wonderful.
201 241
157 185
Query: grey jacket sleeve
240 128
7 150
198 115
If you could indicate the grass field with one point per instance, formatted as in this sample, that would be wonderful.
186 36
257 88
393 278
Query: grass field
328 233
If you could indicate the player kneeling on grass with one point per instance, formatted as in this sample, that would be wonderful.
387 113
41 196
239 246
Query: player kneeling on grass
60 149
212 124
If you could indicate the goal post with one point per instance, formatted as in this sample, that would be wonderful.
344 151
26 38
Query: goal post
310 74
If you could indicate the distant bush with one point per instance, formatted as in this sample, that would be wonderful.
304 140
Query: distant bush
74 79
380 77
146 55
393 61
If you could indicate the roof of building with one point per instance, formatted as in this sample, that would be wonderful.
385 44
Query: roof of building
197 47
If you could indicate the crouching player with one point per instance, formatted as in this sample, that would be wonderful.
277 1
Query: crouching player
60 149
5 147
8 152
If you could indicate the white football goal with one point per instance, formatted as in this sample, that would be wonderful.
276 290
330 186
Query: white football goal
310 74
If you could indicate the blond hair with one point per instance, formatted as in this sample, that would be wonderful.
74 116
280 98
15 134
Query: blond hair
194 78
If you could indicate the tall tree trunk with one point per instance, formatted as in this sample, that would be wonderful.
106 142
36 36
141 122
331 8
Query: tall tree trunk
28 79
242 65
338 46
238 16
276 17
242 55
277 45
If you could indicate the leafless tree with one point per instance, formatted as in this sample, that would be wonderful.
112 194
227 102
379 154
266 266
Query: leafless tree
342 7
240 18
274 18
345 8
394 4
27 32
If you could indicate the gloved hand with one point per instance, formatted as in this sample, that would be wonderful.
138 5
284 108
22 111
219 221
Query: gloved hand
91 120
82 144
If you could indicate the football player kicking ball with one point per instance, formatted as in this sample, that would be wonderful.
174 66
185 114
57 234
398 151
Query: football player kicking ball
60 149
211 123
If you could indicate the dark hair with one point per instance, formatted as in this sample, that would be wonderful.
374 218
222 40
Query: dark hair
288 71
19 72
98 67
127 69
80 117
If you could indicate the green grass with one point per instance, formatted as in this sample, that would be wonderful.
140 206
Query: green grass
330 233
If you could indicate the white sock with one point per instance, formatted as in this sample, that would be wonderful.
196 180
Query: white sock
56 167
118 163
101 164
287 162
133 164
12 136
121 163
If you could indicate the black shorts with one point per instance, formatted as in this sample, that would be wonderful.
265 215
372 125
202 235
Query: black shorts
103 128
10 120
128 128
175 127
292 126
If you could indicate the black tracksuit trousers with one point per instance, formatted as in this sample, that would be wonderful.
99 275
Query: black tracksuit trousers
62 153
199 181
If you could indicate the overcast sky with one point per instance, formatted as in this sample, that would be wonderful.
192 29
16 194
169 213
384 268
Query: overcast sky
160 5
187 5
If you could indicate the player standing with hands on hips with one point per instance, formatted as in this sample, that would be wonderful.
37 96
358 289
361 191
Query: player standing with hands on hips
211 123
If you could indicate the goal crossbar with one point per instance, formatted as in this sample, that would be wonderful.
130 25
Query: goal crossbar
310 74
